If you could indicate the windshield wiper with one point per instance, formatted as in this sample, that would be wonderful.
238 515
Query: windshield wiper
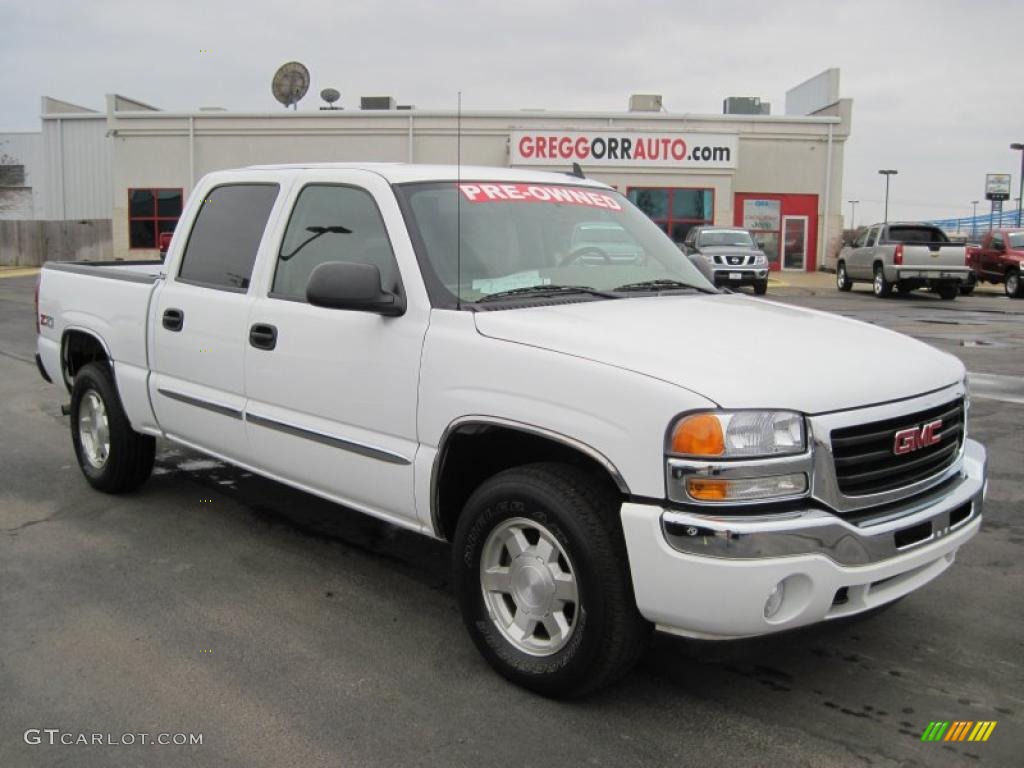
659 285
542 291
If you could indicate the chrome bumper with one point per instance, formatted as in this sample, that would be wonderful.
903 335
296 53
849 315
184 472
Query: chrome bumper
900 530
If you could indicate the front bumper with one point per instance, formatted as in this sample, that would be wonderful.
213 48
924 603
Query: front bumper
710 576
743 275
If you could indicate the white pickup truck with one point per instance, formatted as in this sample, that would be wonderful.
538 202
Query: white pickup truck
425 345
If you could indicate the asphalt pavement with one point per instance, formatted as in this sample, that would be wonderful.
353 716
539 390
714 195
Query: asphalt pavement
291 632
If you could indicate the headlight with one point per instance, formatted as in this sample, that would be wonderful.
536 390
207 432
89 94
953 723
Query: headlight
708 258
760 258
738 434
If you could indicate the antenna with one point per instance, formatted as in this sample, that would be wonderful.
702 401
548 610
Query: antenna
330 95
458 205
290 83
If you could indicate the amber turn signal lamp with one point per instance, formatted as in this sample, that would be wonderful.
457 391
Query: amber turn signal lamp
706 490
699 435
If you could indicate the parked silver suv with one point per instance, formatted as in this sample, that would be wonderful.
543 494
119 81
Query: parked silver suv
732 255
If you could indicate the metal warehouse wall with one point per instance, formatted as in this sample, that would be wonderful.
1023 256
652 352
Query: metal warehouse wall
78 160
25 149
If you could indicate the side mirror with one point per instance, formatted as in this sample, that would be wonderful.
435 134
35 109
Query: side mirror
346 285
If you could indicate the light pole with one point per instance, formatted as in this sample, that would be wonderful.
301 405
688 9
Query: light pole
974 219
887 172
1020 148
853 214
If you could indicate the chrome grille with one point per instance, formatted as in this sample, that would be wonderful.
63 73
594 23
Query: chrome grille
865 462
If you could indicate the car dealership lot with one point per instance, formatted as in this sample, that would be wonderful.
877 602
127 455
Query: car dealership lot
288 631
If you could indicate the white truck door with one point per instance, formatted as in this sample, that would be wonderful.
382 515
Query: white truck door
333 392
200 321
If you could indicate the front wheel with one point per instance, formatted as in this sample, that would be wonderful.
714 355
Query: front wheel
113 457
761 288
1012 286
843 281
542 578
881 286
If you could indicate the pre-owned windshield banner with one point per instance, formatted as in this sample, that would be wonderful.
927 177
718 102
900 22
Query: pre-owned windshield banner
636 149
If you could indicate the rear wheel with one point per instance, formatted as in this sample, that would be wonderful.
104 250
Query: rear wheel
843 281
113 457
880 285
1012 286
948 292
966 290
542 578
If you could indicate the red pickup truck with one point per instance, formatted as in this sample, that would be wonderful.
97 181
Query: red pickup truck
1000 259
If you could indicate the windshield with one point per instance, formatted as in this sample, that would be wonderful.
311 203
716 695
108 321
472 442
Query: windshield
515 237
726 237
1016 239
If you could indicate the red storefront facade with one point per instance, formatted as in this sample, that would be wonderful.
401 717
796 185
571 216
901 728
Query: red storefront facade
785 226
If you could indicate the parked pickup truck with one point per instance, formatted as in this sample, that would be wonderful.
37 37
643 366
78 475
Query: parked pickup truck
905 256
431 352
1000 259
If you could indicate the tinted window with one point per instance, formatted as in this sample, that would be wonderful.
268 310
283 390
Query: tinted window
863 239
997 241
916 235
332 223
226 235
873 237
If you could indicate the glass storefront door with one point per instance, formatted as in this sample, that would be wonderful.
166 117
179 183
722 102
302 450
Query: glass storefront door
794 242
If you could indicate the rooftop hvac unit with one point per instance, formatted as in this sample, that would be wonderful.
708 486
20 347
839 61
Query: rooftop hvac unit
645 102
745 105
377 102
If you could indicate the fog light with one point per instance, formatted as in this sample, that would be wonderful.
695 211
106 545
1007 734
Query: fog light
774 601
745 489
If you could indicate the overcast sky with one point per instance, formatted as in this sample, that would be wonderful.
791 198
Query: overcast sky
936 85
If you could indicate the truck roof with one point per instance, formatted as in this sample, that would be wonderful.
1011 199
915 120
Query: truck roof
398 173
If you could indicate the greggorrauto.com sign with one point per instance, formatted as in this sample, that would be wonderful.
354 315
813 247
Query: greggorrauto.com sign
635 149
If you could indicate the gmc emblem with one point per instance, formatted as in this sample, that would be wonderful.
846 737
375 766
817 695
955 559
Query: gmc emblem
909 440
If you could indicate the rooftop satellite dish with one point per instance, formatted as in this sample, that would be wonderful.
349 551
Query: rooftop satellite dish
330 95
290 83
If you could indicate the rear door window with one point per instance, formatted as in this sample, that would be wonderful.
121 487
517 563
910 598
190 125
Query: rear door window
226 235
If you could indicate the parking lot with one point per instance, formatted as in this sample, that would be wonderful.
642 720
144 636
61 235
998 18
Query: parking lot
288 631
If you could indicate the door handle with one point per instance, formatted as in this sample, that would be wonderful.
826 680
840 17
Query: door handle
263 336
174 319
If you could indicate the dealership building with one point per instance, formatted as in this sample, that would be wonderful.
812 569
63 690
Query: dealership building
131 168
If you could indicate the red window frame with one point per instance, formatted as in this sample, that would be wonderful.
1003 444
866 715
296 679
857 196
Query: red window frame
666 222
156 218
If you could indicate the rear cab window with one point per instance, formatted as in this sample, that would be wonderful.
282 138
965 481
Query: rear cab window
226 235
911 234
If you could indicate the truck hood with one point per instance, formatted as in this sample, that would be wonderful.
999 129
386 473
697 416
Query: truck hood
735 350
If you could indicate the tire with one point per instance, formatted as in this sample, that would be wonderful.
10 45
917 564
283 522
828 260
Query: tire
966 290
124 459
948 292
1012 284
760 289
881 287
843 281
564 531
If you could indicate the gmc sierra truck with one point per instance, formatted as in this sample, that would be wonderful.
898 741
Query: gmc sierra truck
425 345
1000 259
905 256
